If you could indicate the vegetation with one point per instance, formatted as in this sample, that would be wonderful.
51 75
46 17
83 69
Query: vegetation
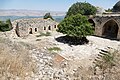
47 15
108 10
44 34
116 7
5 26
81 8
54 49
75 26
108 61
17 64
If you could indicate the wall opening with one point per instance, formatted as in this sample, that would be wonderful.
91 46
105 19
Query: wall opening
30 32
44 28
110 29
92 22
49 28
36 30
17 30
55 26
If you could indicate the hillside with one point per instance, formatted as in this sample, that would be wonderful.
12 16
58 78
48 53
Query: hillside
13 12
42 57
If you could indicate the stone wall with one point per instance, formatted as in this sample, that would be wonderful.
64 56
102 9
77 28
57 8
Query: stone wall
34 25
100 22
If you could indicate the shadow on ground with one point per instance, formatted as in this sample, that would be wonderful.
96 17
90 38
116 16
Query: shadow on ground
72 40
107 38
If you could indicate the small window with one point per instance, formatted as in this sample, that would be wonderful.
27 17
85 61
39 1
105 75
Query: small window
54 26
30 32
44 28
35 29
49 28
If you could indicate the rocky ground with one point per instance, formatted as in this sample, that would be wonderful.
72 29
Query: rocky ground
71 62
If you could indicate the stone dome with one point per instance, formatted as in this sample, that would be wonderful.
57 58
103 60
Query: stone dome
116 7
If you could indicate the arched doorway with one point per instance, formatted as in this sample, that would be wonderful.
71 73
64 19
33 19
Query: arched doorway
92 22
49 28
30 32
110 29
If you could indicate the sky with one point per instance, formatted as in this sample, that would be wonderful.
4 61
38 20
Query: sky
51 5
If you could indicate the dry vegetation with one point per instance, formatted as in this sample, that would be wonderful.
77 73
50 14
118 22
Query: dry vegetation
107 64
15 61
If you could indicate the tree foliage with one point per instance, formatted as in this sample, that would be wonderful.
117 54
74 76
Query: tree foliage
9 24
116 7
108 10
81 8
47 15
5 26
76 26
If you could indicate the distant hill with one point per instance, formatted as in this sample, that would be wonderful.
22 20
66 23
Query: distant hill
13 12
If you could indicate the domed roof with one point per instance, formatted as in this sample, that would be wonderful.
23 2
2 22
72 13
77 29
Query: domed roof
116 7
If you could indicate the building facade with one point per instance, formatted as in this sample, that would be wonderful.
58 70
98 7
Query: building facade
24 27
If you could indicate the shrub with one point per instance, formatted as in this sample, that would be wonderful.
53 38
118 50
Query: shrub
54 49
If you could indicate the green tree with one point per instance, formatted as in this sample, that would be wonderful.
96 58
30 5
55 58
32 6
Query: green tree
76 26
108 10
9 24
47 15
5 26
81 8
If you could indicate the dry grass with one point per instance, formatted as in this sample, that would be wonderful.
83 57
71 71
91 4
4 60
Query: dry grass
15 63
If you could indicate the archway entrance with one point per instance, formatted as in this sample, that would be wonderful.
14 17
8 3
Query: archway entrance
110 29
30 32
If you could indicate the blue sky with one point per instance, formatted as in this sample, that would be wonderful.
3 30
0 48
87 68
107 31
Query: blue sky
51 5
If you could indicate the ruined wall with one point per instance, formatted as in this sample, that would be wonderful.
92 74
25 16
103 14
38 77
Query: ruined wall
100 21
35 25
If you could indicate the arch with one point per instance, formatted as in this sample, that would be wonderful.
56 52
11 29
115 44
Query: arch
30 32
110 29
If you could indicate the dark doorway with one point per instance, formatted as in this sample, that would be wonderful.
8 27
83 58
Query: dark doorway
49 28
55 26
44 28
35 29
92 22
17 30
30 32
110 29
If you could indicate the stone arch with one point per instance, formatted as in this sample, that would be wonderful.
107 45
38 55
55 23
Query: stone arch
30 32
110 29
92 22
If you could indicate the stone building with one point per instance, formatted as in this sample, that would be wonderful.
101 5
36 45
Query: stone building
24 27
107 24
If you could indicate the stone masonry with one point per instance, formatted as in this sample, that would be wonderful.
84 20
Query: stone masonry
107 25
24 27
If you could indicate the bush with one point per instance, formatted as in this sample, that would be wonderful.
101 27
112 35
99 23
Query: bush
47 15
81 8
5 26
76 26
54 49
